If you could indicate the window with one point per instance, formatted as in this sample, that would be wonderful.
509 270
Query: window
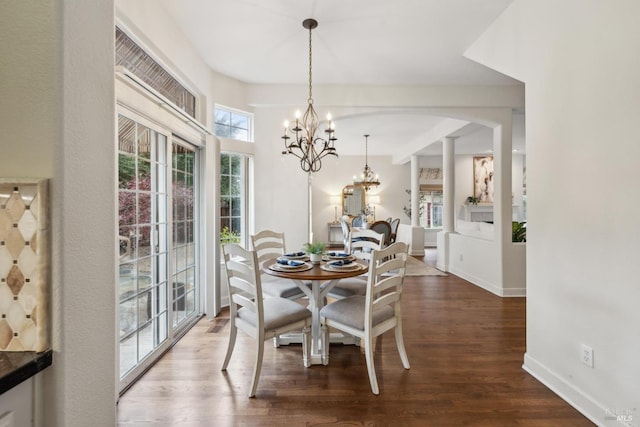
431 209
135 59
232 196
184 282
233 124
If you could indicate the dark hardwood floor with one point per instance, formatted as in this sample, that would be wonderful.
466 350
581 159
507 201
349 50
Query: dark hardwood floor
465 347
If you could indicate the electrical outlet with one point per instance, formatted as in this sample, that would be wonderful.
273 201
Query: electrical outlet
586 355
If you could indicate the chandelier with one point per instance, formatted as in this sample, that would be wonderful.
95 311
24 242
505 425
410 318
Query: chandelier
304 144
368 178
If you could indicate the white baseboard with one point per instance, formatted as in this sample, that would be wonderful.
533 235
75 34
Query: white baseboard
575 397
491 287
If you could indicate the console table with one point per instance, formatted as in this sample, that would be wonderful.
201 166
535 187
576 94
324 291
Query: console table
334 236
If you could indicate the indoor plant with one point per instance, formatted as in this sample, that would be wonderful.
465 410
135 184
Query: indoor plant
315 251
518 231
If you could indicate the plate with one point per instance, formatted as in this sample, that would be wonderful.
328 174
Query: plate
342 256
296 255
281 267
349 267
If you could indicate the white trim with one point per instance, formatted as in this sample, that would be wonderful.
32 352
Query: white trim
574 396
135 82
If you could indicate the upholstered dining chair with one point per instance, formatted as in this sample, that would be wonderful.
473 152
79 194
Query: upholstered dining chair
269 245
359 221
361 245
379 310
382 227
394 229
261 318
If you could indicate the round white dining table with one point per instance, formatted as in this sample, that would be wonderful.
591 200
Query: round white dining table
322 280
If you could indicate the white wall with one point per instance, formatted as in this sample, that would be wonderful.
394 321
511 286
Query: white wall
281 199
580 65
57 116
281 190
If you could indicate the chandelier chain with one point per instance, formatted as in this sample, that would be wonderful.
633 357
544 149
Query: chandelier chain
310 69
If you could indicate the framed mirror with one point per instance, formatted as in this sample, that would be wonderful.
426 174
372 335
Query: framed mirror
353 202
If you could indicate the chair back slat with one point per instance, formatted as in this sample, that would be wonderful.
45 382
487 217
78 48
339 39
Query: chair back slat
268 245
385 290
243 278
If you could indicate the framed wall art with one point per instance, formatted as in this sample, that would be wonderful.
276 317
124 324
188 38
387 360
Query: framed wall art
483 178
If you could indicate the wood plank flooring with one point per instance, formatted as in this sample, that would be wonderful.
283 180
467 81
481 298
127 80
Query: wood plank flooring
465 347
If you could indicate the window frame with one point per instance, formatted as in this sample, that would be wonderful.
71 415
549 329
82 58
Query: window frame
233 111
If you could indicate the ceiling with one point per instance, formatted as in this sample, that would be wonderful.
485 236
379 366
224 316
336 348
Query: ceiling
359 42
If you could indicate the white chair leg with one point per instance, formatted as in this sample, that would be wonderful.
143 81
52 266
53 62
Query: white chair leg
368 354
233 331
258 366
400 344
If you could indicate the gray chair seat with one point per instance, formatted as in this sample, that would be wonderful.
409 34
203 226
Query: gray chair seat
350 311
280 288
278 312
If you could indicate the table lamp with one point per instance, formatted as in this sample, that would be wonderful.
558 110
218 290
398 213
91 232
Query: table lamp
374 200
335 201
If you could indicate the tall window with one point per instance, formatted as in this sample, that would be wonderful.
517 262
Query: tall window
233 124
232 167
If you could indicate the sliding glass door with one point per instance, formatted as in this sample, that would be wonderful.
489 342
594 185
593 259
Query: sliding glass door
158 270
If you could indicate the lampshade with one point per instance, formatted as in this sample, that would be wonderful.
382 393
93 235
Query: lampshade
335 200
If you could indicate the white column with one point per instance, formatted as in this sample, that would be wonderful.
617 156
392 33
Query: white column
449 172
415 192
416 247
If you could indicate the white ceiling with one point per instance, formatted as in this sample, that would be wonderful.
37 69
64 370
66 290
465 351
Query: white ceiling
357 42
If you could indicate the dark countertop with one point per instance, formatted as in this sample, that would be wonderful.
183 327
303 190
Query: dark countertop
16 367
